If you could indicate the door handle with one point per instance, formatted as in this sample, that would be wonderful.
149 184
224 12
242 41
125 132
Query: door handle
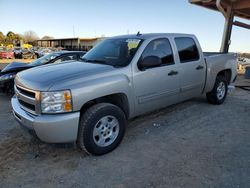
199 67
172 73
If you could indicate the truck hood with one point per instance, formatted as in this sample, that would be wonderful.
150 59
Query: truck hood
44 77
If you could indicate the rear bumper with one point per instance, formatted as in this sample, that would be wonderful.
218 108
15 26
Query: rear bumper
7 56
58 128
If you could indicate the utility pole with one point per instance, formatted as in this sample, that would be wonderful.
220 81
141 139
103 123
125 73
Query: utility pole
73 31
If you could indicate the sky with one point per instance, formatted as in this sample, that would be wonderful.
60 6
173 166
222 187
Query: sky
94 18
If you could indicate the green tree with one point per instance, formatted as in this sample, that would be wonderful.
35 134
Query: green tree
10 37
2 38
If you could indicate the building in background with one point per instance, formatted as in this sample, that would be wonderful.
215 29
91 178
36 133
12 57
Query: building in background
84 44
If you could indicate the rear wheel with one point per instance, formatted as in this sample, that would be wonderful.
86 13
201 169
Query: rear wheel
219 92
101 128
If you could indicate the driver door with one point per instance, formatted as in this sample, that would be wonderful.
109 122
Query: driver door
159 86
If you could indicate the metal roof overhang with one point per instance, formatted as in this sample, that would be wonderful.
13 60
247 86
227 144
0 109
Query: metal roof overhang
229 9
241 8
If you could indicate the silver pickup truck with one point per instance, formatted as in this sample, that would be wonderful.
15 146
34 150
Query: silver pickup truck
125 76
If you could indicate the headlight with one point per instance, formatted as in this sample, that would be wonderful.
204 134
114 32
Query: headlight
56 102
8 76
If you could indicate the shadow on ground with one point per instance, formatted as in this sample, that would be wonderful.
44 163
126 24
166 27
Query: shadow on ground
192 144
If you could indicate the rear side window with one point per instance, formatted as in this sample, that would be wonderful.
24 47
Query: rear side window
160 48
187 49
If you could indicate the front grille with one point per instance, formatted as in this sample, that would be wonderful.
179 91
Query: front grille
27 105
25 92
27 99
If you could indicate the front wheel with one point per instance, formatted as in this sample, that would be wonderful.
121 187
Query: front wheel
101 128
219 92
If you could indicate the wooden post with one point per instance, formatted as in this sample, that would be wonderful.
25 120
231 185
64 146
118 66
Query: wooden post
226 40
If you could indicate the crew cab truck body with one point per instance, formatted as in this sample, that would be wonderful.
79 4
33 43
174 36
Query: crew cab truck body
122 77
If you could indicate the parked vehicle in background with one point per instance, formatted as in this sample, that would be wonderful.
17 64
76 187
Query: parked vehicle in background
28 54
18 53
27 46
8 74
10 46
25 53
43 51
243 62
6 54
34 49
121 78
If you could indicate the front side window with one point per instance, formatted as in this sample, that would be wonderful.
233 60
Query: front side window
160 48
187 49
117 52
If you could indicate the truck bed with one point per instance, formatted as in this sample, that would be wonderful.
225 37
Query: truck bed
207 54
215 62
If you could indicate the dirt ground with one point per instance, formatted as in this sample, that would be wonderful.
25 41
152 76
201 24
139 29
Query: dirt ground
18 60
192 144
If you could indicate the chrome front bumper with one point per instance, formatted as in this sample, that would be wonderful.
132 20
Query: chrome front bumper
56 128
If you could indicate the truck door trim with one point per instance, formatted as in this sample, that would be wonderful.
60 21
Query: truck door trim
190 87
156 96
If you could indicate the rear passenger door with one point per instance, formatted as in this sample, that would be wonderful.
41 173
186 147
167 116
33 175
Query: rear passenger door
158 86
192 68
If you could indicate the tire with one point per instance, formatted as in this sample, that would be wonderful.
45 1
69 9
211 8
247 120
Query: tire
219 93
101 129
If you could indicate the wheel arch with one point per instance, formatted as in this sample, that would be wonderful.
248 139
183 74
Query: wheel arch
118 99
227 73
211 78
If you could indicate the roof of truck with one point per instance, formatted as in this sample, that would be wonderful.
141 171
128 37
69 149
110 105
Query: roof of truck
152 35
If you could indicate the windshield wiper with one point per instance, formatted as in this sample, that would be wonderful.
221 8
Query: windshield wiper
99 62
94 61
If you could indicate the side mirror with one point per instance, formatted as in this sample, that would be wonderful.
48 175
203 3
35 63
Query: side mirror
52 57
149 62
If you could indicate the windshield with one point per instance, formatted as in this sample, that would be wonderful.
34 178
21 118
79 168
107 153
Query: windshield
44 59
116 52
